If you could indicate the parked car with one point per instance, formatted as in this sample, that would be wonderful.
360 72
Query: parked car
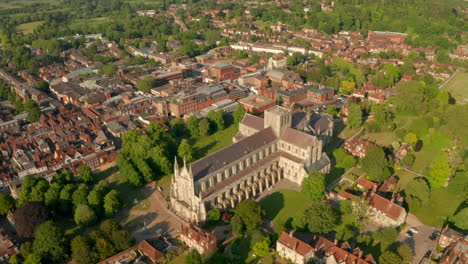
414 230
434 235
408 234
428 254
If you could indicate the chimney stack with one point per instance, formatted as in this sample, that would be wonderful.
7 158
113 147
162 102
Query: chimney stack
335 242
291 233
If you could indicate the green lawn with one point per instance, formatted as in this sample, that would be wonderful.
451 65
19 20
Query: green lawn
206 145
457 87
382 139
28 28
92 22
444 202
282 206
433 144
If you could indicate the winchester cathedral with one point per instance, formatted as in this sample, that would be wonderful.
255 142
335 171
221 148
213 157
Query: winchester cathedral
265 150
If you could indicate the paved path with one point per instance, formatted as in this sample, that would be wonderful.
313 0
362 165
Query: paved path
448 80
413 172
157 217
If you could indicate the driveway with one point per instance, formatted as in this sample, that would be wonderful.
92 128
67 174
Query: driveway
420 242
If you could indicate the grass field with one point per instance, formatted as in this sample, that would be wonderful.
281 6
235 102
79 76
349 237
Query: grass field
28 28
206 145
444 202
458 87
282 206
93 22
382 139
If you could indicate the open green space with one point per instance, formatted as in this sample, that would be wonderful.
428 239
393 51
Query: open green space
433 144
28 28
458 86
92 22
241 248
382 138
203 146
281 206
444 202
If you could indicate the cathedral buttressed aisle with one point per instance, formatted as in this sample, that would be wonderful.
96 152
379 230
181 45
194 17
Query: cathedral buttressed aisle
265 151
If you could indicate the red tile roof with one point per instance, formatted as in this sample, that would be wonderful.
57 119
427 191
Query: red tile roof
294 243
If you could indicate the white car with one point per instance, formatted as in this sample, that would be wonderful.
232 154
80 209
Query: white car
414 230
408 234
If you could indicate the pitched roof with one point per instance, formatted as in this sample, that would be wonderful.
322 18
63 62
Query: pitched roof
297 138
365 183
389 208
217 160
295 244
253 122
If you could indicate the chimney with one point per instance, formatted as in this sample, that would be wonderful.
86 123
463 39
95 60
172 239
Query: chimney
360 254
335 242
393 198
291 233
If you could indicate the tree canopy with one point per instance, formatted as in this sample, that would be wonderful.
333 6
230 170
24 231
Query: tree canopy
376 164
251 213
6 203
313 186
29 216
50 242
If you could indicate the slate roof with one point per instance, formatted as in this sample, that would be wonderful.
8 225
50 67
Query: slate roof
297 138
253 121
219 159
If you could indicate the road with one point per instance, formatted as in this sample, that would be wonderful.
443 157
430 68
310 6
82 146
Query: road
420 242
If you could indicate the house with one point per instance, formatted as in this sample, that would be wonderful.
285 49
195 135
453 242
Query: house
382 211
448 236
7 248
197 238
294 249
357 147
456 253
133 253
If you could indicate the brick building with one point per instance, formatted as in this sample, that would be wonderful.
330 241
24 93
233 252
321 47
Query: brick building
197 238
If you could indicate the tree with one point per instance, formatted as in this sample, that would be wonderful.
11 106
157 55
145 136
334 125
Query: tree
82 251
193 257
109 69
217 118
42 86
104 248
460 220
177 127
84 215
386 236
32 259
262 248
237 225
52 196
347 87
406 253
375 164
204 127
185 151
294 59
15 259
6 203
313 186
355 116
239 113
145 84
192 126
214 214
322 218
120 238
50 242
34 113
411 138
417 193
80 196
440 170
86 174
388 257
29 216
251 213
332 110
112 203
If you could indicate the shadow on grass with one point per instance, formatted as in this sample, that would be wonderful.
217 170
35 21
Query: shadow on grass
273 205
